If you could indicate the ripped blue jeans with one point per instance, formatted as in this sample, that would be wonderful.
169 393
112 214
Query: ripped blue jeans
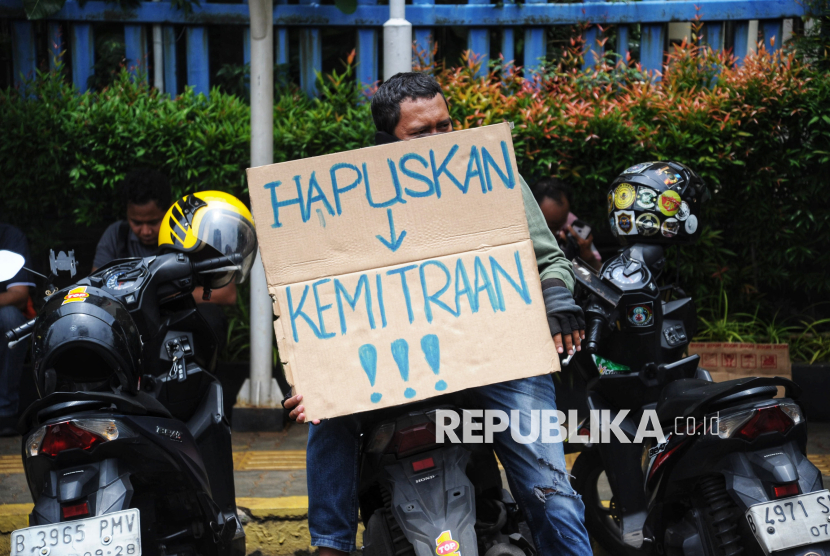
536 473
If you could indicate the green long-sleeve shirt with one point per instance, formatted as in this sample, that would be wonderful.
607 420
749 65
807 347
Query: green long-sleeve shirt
549 257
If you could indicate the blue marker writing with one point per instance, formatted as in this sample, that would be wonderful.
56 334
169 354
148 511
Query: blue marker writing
432 353
400 353
369 361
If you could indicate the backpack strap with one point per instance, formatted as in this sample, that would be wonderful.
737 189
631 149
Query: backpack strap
123 238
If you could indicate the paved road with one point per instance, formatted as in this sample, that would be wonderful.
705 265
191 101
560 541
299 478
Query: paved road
272 465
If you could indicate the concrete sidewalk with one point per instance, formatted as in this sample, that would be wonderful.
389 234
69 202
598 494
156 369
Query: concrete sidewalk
270 479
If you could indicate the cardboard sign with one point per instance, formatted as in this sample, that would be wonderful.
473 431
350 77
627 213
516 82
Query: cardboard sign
402 271
727 361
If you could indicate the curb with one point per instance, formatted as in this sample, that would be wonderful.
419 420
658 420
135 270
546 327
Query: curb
273 526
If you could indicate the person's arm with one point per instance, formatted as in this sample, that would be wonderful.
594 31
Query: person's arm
222 296
15 296
297 412
549 257
556 273
587 252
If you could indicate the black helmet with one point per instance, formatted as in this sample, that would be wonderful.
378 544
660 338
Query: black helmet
85 339
658 202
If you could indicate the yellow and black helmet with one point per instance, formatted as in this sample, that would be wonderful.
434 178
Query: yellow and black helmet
207 224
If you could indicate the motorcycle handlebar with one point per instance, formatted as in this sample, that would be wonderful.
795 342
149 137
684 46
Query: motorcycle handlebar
593 333
16 334
217 263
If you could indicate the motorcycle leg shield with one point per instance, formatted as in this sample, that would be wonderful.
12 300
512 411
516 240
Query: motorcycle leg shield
435 505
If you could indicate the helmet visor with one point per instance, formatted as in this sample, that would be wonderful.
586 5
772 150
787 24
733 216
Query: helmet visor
229 234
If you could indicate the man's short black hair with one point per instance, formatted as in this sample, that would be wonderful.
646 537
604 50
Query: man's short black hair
553 188
142 185
411 85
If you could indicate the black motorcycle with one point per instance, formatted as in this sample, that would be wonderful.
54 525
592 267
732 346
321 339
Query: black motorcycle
421 497
128 451
731 477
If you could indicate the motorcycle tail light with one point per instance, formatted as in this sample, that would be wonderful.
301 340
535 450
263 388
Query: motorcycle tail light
411 438
75 510
423 464
750 424
659 460
381 438
783 491
85 434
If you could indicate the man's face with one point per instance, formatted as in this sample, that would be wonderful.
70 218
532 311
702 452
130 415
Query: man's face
556 213
423 117
145 221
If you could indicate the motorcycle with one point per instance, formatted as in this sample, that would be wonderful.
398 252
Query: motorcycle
115 467
731 477
420 497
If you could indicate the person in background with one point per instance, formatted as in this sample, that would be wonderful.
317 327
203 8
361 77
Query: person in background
147 197
14 298
554 198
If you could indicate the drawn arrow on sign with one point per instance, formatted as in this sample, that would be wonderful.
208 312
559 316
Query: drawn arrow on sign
393 243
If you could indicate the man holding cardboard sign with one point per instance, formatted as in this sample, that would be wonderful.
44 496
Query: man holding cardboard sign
409 270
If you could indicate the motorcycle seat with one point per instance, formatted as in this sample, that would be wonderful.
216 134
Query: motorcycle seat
60 403
680 395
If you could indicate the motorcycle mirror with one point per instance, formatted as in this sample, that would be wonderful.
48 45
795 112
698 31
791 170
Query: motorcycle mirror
62 262
10 264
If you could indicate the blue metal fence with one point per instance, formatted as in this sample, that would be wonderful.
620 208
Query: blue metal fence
478 16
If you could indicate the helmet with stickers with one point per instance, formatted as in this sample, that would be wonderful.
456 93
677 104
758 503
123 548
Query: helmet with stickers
657 202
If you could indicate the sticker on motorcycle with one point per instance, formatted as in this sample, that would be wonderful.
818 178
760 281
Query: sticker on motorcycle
610 201
608 367
444 545
669 203
646 197
75 295
625 223
684 211
641 314
624 196
648 224
637 168
670 227
691 225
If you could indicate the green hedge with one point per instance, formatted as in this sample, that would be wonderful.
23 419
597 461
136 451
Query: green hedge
759 133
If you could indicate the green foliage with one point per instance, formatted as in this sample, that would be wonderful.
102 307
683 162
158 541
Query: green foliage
340 119
235 79
38 9
64 154
239 328
110 61
346 6
814 44
809 339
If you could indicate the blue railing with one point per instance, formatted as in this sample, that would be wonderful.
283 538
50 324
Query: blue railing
531 17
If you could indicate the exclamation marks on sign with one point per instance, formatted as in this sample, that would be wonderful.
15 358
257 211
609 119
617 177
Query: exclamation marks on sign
400 353
432 352
369 361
